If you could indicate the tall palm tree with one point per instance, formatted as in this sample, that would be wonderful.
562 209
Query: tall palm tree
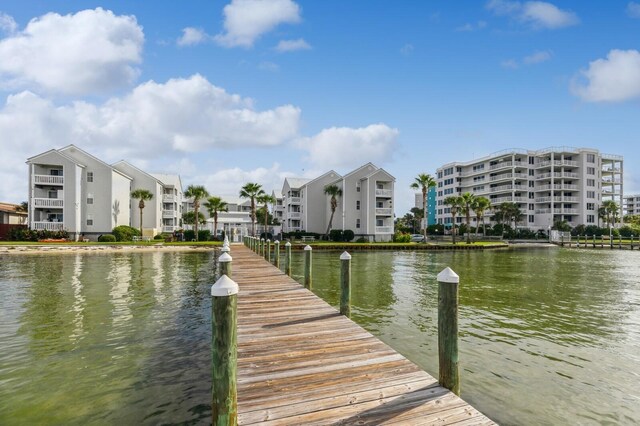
333 191
479 207
214 205
423 182
251 191
508 212
265 199
454 203
197 192
611 211
467 201
142 195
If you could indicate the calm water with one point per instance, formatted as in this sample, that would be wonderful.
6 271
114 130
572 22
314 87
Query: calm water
548 336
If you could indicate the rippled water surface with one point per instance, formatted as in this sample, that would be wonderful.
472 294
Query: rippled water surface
548 336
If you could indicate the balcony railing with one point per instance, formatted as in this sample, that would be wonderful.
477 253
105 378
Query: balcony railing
501 165
169 228
384 211
48 226
169 214
48 180
506 188
291 200
168 197
384 229
501 200
48 202
294 215
384 193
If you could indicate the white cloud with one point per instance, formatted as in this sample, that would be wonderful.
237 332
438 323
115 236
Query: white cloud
633 9
227 182
407 49
92 51
292 45
614 79
537 14
7 24
537 57
510 64
192 36
468 27
337 147
246 20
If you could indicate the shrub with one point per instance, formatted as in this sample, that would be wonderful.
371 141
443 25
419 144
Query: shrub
189 235
335 235
125 233
159 237
204 234
107 238
629 230
348 235
401 237
361 240
266 236
25 234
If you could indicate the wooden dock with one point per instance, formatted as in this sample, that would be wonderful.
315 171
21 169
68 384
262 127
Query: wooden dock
301 363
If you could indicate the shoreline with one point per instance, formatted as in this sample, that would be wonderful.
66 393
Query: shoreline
74 249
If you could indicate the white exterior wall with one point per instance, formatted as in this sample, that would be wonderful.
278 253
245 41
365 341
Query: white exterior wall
316 207
631 205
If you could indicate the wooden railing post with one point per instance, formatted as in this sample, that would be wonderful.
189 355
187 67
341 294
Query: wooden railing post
561 240
594 240
287 258
261 251
631 242
448 330
276 260
225 264
267 252
345 284
619 241
307 267
224 352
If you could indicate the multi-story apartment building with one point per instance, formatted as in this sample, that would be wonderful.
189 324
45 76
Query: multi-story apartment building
235 222
549 185
365 207
69 189
631 205
172 197
431 205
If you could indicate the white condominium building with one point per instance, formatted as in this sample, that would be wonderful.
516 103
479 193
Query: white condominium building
631 204
549 185
71 190
365 207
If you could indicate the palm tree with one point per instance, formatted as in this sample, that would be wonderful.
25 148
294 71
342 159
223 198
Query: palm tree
423 182
467 201
508 212
611 210
455 203
197 192
142 195
333 191
480 205
215 205
417 212
265 199
251 191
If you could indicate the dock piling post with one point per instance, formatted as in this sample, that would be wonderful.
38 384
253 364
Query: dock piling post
225 264
594 240
631 242
619 241
276 261
224 352
345 284
287 258
561 240
261 251
448 330
307 267
267 252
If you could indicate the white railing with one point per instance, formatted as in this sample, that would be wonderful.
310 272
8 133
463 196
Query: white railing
569 174
48 226
568 199
384 229
506 188
293 200
293 215
168 197
566 186
293 228
570 210
169 228
48 180
169 213
544 199
48 202
384 211
543 211
384 192
501 165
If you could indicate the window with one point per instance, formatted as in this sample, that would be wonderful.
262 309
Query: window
89 198
531 160
531 172
531 207
89 220
591 206
89 176
591 158
357 223
478 167
55 172
53 193
477 178
358 187
531 195
379 186
439 184
439 211
591 182
531 218
591 218
379 204
448 191
591 194
357 204
379 222
439 193
591 170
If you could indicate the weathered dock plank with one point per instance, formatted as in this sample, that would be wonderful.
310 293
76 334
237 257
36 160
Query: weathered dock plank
301 362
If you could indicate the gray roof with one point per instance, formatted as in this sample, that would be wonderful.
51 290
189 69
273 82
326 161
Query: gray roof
168 179
295 182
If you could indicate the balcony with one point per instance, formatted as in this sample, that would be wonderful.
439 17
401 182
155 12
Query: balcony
294 215
501 165
48 226
506 188
543 211
169 228
501 200
384 229
384 211
48 180
384 193
293 200
508 176
168 198
548 163
169 214
48 202
570 175
566 186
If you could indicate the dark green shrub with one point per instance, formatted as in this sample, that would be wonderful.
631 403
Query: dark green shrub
125 233
204 234
189 235
335 235
107 238
629 230
361 240
266 236
348 235
159 237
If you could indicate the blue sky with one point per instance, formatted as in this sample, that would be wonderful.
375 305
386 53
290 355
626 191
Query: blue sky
225 93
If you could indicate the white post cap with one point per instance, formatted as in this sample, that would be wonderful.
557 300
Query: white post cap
268 240
288 244
276 242
225 249
448 276
307 247
345 256
225 257
225 286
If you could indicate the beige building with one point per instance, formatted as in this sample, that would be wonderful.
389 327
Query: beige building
549 185
631 205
